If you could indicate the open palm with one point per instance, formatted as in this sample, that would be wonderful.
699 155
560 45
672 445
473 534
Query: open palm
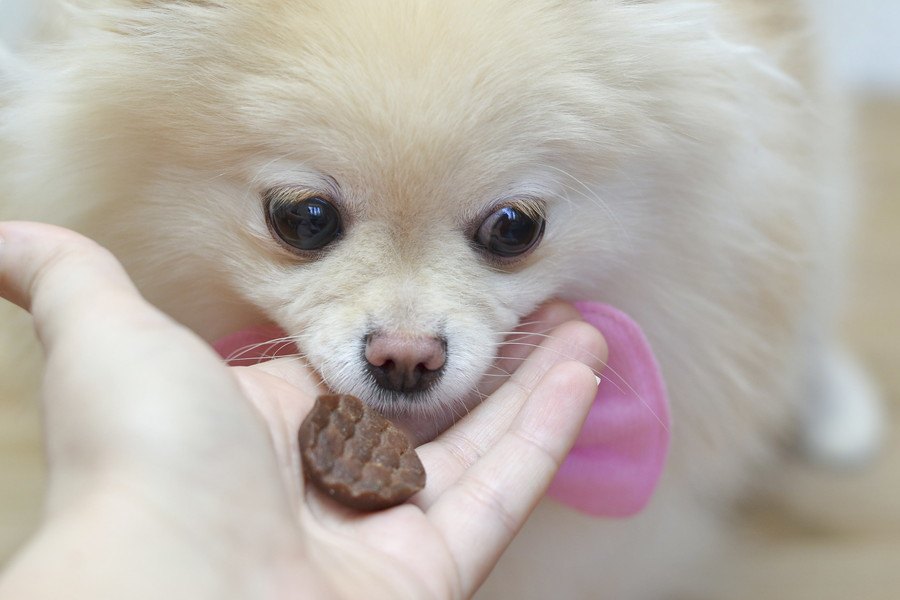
179 477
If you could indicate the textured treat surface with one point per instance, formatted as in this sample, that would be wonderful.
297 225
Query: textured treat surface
356 456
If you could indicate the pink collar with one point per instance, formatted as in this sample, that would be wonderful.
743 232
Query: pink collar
618 458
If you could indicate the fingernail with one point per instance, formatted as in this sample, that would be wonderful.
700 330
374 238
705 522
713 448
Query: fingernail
597 377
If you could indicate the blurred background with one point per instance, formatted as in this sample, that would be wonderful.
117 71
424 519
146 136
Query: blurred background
827 535
861 40
823 535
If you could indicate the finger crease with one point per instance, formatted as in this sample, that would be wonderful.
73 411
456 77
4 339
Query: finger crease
533 443
487 496
463 450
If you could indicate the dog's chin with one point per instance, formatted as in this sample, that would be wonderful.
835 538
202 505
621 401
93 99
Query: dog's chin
422 416
422 429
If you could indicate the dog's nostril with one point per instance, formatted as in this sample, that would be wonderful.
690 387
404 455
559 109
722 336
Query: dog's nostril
403 363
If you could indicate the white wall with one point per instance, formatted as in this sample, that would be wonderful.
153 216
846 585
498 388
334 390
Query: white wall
14 19
862 38
862 41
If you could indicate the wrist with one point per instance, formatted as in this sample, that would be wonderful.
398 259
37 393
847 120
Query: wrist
114 546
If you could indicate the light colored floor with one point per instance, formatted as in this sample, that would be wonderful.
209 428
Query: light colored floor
826 536
830 536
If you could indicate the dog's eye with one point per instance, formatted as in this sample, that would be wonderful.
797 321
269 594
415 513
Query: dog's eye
310 224
510 232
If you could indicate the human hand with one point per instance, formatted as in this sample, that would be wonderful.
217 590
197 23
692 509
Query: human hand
174 476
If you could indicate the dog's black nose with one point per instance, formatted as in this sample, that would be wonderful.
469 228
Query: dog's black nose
405 364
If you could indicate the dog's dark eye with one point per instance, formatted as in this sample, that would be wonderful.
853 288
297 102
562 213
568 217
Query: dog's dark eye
309 224
510 232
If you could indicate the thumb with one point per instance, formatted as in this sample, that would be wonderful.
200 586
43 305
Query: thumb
128 393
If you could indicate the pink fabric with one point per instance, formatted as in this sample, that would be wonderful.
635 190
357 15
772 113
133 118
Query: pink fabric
618 458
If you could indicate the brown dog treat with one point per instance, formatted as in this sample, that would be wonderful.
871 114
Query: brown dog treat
356 456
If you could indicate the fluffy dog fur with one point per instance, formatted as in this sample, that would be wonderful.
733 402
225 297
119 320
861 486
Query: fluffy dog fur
680 149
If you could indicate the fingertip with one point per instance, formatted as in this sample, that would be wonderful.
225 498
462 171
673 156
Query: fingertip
65 280
31 250
549 315
584 343
570 381
14 284
534 330
558 406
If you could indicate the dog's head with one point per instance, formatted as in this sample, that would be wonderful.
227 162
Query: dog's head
395 184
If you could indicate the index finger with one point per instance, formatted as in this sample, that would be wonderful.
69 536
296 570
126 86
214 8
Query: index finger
484 509
454 451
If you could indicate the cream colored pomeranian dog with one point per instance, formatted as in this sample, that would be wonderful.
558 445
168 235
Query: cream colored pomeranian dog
428 172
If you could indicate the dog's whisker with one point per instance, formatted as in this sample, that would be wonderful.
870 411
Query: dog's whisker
607 373
276 348
251 347
272 347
